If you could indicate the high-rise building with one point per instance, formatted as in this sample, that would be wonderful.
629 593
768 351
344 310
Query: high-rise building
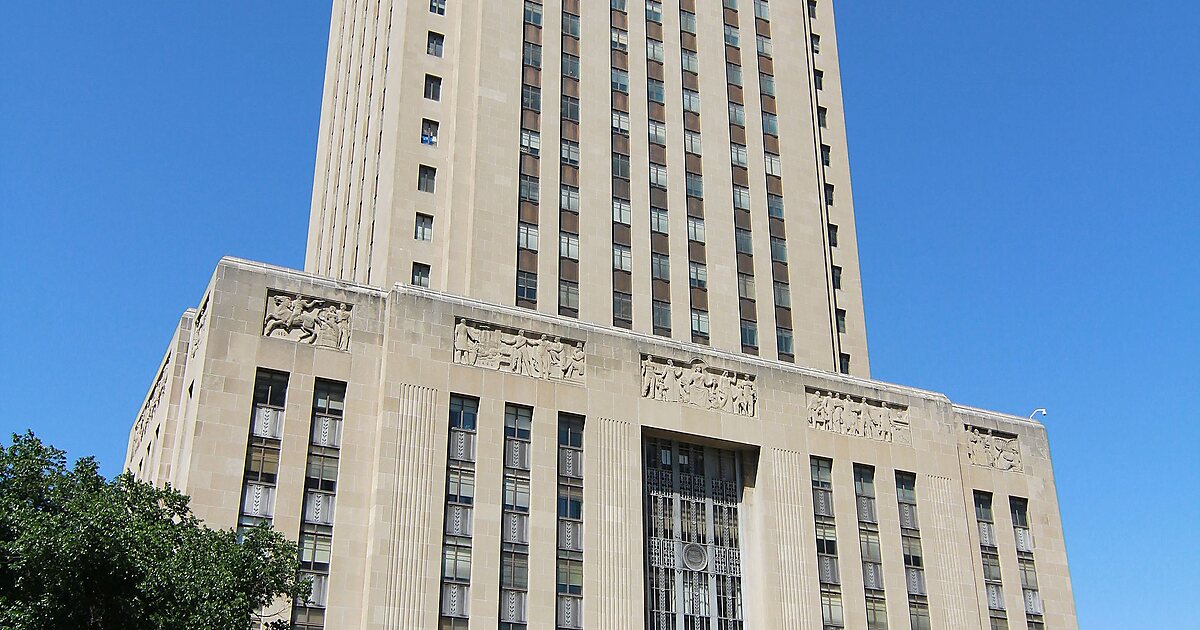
580 343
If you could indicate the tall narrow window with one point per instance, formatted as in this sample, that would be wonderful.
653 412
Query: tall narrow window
990 558
426 178
423 227
429 132
435 44
459 506
433 87
828 570
514 536
1034 613
569 574
914 562
869 547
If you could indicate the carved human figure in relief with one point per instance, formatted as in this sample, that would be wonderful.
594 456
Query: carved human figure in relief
555 360
746 397
670 384
343 323
574 366
651 378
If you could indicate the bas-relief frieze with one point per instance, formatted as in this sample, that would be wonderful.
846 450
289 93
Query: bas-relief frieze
521 352
314 321
993 449
698 385
857 416
147 412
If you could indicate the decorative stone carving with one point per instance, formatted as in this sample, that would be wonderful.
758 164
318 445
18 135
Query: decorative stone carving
151 406
536 355
698 385
993 449
858 417
198 327
314 321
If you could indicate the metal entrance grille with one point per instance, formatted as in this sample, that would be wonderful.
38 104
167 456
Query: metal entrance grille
693 563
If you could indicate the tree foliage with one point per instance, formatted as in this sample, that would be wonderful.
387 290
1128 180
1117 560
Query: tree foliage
81 551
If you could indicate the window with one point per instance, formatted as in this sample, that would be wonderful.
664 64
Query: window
816 43
741 197
833 235
841 320
617 4
762 10
825 152
420 275
621 211
658 175
837 277
570 25
749 333
654 11
774 165
876 613
812 9
316 549
569 152
697 275
514 570
733 74
570 66
620 122
691 141
655 91
529 188
783 341
737 154
731 35
778 249
620 165
819 79
695 185
570 108
657 132
695 229
463 412
423 227
426 178
568 295
435 44
622 306
620 40
774 206
570 503
527 236
691 101
527 286
456 562
742 241
568 246
622 258
429 132
532 55
699 322
518 422
783 295
570 576
844 363
766 84
433 87
689 61
568 198
658 220
829 194
764 46
687 22
831 609
746 286
730 4
822 117
262 463
533 13
918 615
620 80
661 313
737 114
437 7
660 267
654 50
531 142
770 124
516 494
531 98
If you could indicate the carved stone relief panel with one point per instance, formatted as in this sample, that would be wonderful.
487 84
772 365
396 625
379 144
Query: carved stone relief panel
314 321
993 449
857 416
147 412
198 327
696 384
523 352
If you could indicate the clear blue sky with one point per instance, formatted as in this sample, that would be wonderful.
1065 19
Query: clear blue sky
1026 177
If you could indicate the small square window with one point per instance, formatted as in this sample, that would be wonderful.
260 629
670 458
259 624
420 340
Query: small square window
844 363
620 165
435 44
570 108
733 74
691 101
531 142
655 91
816 43
654 50
433 87
732 37
658 220
568 297
766 84
741 197
620 122
695 229
783 295
746 286
429 132
749 333
743 241
737 154
570 25
437 7
695 185
691 141
568 198
420 274
527 286
569 152
423 230
570 66
531 55
531 98
660 267
774 206
658 175
529 190
697 275
620 80
737 114
568 246
620 40
774 165
778 249
689 61
527 236
687 22
783 341
661 312
654 11
622 258
764 46
657 132
622 211
770 124
533 13
622 307
426 178
699 322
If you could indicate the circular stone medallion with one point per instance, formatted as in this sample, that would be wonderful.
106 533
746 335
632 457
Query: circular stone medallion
695 557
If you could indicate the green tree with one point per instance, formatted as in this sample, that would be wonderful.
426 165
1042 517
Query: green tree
81 551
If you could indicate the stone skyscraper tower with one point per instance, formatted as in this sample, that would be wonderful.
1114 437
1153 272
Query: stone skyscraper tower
580 343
